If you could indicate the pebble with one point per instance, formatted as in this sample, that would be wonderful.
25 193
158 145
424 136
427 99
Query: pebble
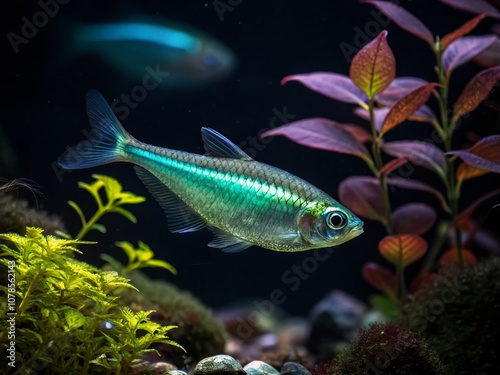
260 368
293 368
176 372
218 364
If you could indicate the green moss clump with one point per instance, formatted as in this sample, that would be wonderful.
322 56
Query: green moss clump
387 349
68 319
458 314
199 332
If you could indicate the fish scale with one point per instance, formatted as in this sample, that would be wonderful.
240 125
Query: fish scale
243 201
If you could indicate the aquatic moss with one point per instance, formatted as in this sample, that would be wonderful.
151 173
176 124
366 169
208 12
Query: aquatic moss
16 215
199 332
458 314
388 349
68 318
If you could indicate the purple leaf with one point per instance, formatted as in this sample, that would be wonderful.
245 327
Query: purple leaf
420 153
490 56
378 113
363 196
423 114
487 241
484 155
403 19
474 6
465 216
413 218
405 183
333 85
464 49
322 134
399 88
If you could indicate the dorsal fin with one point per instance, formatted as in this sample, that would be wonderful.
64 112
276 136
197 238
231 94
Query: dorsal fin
218 145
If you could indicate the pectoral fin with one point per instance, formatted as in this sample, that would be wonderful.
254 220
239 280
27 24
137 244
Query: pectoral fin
181 218
227 242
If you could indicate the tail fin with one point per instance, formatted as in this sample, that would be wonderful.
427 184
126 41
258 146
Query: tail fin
106 141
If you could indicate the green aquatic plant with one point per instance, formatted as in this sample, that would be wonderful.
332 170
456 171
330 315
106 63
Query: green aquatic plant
115 198
140 257
386 101
68 317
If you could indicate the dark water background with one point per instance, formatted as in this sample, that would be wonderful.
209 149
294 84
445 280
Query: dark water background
43 111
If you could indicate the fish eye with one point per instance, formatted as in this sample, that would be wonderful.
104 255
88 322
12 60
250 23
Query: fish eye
336 220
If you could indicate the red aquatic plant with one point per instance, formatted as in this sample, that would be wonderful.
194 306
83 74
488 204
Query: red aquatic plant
386 101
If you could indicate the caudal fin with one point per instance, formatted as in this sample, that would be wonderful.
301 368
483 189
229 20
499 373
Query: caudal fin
106 141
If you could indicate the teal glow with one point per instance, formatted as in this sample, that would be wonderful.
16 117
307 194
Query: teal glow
243 182
161 35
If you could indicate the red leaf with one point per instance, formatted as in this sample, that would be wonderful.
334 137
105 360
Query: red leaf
450 257
464 49
418 185
420 153
363 195
406 106
464 217
322 134
360 134
474 6
402 249
403 19
393 164
461 31
335 86
484 155
381 278
399 88
421 281
476 90
374 67
413 218
466 172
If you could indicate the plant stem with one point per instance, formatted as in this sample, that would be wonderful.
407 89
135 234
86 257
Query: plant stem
452 192
88 225
377 156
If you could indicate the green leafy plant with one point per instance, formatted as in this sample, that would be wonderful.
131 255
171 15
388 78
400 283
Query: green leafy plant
63 309
386 102
110 189
140 257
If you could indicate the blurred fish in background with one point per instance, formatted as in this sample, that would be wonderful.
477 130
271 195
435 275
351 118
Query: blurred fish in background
188 57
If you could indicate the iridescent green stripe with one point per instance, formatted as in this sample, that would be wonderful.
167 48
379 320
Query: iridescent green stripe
243 181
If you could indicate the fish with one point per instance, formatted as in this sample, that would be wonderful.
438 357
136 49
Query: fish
176 55
244 202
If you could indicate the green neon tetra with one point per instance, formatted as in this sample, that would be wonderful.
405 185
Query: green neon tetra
242 201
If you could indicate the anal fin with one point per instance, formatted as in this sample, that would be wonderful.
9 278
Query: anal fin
227 242
181 218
